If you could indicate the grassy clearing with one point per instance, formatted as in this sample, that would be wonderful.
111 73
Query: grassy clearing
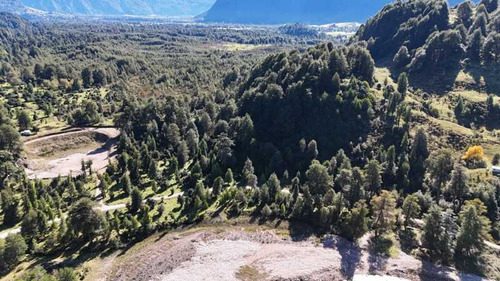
473 96
237 47
48 123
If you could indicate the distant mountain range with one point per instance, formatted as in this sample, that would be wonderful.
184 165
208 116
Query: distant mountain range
230 11
287 11
167 8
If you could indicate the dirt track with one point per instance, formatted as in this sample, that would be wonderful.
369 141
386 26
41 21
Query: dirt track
70 164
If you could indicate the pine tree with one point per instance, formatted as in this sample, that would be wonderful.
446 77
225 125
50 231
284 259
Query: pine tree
125 183
318 179
432 232
383 218
373 176
136 200
153 170
335 84
458 185
356 192
440 165
249 174
403 84
469 239
228 178
418 157
274 185
355 224
411 209
217 186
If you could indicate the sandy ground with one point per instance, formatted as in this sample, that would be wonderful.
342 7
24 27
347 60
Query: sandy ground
238 255
70 164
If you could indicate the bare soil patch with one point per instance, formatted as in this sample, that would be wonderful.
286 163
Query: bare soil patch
231 255
62 154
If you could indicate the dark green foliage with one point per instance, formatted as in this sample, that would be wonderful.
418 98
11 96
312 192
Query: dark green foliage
285 99
373 177
440 165
442 51
12 252
84 220
411 22
318 179
402 58
10 207
88 114
465 13
469 238
24 120
125 183
355 224
418 157
438 234
491 49
383 217
136 200
9 139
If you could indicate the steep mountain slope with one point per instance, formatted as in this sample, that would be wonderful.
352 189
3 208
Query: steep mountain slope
286 11
123 7
434 43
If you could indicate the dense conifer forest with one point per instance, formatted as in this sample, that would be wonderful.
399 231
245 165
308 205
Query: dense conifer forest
391 136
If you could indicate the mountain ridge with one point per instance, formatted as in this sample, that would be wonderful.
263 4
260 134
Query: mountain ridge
121 7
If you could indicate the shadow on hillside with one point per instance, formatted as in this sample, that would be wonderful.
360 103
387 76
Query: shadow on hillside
378 250
434 82
485 78
349 252
300 231
71 256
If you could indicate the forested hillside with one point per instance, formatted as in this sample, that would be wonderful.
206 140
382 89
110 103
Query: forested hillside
248 128
433 43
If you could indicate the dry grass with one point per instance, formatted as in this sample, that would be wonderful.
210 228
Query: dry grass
473 96
58 147
250 273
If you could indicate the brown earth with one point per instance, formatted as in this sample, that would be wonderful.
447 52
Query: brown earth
62 154
230 254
